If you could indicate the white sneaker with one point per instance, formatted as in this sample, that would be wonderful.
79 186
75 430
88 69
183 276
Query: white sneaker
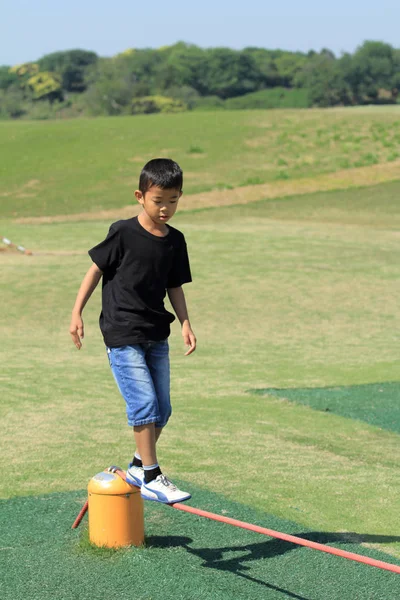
135 475
161 489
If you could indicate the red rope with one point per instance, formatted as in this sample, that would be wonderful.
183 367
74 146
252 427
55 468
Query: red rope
289 538
81 515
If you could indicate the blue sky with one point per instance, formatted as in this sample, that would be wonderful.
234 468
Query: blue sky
30 29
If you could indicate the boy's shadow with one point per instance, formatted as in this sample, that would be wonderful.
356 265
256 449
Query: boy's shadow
213 558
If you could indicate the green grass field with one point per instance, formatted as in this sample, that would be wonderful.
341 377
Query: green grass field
51 168
291 298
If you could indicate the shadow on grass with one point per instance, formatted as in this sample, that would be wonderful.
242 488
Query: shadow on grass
213 558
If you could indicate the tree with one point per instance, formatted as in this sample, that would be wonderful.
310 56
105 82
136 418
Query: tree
288 64
266 66
71 65
7 78
230 73
140 67
12 103
36 84
181 65
396 73
25 70
325 82
111 88
372 70
46 85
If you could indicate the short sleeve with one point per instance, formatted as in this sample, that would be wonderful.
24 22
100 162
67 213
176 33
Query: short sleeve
107 254
180 271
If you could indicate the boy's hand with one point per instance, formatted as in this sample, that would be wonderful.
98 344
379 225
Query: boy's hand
189 338
76 330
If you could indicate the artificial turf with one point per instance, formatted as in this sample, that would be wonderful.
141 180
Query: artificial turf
185 557
376 403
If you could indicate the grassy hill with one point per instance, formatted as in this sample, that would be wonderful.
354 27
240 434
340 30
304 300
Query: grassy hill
50 168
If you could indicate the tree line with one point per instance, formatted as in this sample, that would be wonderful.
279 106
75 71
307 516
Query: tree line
187 77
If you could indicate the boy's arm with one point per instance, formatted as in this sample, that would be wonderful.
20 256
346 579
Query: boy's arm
87 288
177 299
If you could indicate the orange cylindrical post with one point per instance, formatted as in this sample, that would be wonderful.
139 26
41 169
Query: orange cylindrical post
115 512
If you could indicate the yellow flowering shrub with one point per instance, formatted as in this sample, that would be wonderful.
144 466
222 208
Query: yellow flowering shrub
156 104
44 83
25 69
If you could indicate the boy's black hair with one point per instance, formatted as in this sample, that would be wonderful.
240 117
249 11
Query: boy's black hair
162 172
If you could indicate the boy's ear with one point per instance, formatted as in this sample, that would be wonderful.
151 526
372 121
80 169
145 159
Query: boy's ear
139 196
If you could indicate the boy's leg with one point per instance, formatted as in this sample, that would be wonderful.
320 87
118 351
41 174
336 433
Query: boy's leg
137 455
135 383
145 445
145 438
141 379
160 489
157 359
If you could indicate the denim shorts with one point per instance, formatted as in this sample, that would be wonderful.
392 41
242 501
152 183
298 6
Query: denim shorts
142 375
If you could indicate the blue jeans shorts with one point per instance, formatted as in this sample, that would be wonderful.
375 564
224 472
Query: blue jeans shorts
141 372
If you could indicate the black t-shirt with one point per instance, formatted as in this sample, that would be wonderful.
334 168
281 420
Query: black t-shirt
138 267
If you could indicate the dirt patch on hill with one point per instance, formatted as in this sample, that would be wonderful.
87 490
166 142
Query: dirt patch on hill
361 177
21 192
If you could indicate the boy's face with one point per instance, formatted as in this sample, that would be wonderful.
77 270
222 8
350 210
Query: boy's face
160 205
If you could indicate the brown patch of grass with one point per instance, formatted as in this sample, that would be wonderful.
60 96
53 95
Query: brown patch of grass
360 177
20 193
138 159
255 142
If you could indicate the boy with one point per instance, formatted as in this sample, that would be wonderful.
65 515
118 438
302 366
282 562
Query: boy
140 261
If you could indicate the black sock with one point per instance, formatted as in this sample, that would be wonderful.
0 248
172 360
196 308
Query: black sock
150 474
137 462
